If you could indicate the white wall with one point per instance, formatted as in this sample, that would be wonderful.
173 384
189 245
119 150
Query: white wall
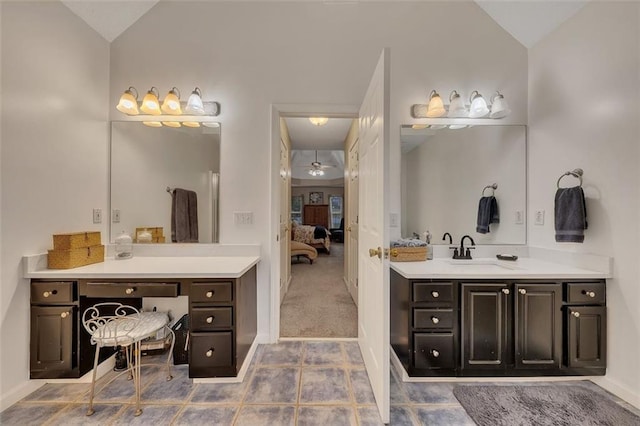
55 82
583 112
250 55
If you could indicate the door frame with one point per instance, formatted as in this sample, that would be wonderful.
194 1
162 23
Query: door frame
285 111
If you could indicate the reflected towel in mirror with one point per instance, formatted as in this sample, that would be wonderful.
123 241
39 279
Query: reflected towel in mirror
184 216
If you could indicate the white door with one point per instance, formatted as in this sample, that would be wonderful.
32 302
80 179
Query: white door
285 203
373 268
351 228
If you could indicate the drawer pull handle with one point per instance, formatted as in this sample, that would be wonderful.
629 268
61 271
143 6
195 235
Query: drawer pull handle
50 293
576 314
591 294
130 290
209 353
64 315
435 320
435 294
210 294
522 291
435 353
210 319
506 291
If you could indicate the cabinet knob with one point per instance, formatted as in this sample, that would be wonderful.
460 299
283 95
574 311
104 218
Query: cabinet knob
435 353
46 294
64 315
522 291
209 353
576 314
210 319
591 294
435 320
506 291
50 293
210 294
435 294
129 290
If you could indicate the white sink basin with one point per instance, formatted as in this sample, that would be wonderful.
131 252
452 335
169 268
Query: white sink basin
482 264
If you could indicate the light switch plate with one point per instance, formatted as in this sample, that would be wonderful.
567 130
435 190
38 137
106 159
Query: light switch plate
519 217
539 217
393 220
115 217
97 215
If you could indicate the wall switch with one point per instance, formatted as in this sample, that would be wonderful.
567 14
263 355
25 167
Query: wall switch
539 217
243 218
393 220
519 217
115 216
97 215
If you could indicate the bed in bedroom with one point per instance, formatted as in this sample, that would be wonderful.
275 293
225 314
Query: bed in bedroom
315 236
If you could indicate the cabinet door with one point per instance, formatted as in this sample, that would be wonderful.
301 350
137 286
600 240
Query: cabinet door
538 315
52 338
485 329
586 336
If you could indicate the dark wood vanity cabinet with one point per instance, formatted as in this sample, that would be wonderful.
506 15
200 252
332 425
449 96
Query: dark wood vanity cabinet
498 327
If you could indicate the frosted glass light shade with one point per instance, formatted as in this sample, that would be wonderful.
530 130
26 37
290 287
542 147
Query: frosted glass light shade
499 106
436 106
172 123
128 103
456 106
150 103
152 123
195 106
457 126
319 121
478 108
171 103
316 172
191 124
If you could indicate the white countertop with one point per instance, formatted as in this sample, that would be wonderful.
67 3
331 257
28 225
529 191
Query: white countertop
149 267
487 268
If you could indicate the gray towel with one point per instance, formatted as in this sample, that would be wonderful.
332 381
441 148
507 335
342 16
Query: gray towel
184 216
570 214
487 214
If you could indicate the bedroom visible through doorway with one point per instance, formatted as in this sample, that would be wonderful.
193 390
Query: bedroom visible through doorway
316 301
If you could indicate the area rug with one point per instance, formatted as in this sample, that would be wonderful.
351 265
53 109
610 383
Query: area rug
553 405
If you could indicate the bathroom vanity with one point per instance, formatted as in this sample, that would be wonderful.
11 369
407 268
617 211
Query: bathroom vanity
222 309
491 318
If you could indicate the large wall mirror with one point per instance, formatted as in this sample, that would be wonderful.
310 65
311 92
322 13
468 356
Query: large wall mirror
444 175
149 163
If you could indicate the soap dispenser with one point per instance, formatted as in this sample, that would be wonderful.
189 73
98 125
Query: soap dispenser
124 246
427 239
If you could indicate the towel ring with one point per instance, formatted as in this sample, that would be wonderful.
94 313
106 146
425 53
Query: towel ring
575 172
492 186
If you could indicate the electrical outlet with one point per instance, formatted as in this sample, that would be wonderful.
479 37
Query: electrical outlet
97 215
243 218
519 217
115 216
539 217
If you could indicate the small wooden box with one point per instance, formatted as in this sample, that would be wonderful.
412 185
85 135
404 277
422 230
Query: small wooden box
408 254
66 259
156 231
76 240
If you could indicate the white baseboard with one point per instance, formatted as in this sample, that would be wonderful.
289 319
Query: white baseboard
621 391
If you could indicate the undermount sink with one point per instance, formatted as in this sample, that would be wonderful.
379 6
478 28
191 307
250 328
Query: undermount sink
483 264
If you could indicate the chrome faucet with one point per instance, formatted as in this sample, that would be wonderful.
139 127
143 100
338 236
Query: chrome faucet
446 234
463 254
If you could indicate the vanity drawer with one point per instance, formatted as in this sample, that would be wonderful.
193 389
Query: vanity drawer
211 350
440 293
207 319
131 289
211 292
52 292
592 293
434 350
437 319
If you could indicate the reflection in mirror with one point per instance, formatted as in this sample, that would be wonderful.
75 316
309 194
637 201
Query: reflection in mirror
147 161
444 174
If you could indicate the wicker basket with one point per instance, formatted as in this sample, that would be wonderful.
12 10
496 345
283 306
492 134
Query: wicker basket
408 254
76 240
155 231
66 259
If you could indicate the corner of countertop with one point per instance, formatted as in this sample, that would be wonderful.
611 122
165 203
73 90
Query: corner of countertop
32 263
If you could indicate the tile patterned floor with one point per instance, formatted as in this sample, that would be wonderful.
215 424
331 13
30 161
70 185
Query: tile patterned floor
291 383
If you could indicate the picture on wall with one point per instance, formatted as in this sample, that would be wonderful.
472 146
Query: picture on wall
316 197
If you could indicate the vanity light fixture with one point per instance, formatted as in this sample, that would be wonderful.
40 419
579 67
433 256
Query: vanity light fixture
319 121
150 103
171 103
499 106
436 106
152 123
195 106
456 106
128 103
171 123
478 108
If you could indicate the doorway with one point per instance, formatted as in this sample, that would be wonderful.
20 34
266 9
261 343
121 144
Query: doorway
316 299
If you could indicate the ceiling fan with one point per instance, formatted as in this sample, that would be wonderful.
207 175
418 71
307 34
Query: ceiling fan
317 168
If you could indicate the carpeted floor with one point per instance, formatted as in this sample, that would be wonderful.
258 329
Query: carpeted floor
549 405
318 303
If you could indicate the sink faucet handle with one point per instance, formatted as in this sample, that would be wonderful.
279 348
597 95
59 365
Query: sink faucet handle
455 251
468 252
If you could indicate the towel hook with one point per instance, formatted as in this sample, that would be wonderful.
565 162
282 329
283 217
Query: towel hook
575 172
493 186
169 190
